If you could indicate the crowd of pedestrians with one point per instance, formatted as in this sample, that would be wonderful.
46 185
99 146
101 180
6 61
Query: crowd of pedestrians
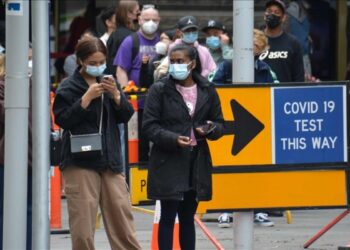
182 111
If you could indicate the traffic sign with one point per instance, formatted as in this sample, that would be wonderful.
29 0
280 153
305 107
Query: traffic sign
309 124
247 139
284 147
278 124
138 185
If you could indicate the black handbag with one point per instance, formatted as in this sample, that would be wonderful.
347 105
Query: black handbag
87 146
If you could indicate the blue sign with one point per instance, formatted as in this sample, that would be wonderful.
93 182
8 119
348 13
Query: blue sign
310 124
14 6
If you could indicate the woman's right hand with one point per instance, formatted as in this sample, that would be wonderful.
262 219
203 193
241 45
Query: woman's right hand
184 141
94 91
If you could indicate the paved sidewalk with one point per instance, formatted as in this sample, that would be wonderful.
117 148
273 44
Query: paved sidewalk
282 236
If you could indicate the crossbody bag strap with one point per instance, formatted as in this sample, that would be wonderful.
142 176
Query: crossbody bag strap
101 117
100 126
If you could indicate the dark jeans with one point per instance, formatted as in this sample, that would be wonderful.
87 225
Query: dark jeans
29 208
186 210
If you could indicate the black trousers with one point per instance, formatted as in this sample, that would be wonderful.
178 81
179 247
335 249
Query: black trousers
186 210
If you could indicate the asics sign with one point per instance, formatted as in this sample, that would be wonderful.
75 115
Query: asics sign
274 55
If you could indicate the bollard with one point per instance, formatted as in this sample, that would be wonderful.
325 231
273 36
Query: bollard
133 140
55 191
55 201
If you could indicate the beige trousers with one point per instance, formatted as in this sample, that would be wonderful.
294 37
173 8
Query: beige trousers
85 190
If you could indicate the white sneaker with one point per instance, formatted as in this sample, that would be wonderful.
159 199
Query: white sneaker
262 219
224 220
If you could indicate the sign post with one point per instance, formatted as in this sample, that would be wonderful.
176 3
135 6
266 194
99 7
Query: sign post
41 124
243 71
16 125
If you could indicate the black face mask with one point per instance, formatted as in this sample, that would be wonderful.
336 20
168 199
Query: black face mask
272 21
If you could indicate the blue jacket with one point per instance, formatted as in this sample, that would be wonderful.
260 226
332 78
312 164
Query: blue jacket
223 74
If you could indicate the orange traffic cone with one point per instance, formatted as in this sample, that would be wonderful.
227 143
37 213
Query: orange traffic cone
133 140
154 243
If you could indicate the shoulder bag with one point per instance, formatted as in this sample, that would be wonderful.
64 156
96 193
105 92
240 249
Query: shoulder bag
87 146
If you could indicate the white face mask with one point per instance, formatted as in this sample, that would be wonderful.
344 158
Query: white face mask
161 48
149 27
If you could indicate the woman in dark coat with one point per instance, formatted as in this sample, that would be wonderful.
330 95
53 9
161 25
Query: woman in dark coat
94 181
181 112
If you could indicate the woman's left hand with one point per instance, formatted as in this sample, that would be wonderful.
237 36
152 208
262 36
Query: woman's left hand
110 86
205 129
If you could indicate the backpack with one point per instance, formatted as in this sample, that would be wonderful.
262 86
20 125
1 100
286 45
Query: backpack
112 52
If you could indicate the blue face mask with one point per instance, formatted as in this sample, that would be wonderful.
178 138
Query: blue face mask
190 37
179 71
213 42
95 70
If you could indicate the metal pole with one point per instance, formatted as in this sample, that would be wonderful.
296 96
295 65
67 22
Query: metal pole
243 72
16 125
41 124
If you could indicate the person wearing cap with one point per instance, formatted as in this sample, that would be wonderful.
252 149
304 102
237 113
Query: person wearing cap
188 28
285 55
217 41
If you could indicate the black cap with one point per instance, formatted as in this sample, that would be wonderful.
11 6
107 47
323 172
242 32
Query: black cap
214 24
187 22
279 3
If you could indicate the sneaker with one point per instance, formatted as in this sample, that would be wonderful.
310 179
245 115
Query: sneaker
224 220
262 219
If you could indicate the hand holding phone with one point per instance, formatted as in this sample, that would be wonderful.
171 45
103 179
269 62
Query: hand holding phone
110 85
206 128
107 77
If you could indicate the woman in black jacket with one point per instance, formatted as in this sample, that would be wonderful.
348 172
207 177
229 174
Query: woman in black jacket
181 112
86 105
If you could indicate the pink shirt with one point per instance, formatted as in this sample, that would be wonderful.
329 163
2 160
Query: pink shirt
189 95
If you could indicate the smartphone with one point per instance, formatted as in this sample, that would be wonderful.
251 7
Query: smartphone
208 128
107 76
